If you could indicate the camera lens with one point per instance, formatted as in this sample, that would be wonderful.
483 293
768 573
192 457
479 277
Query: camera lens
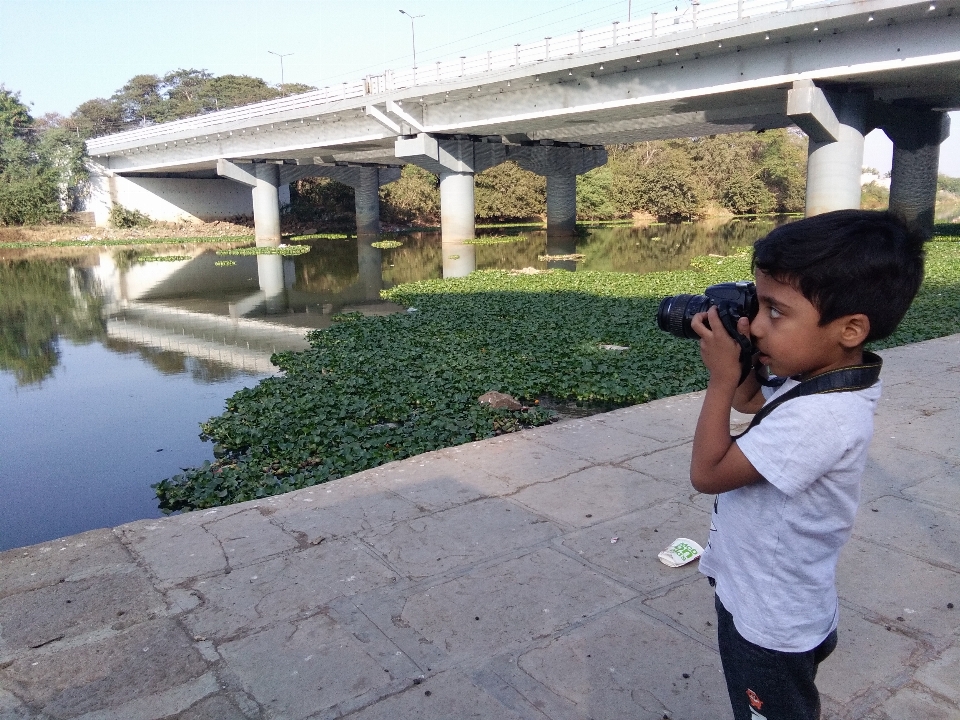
676 312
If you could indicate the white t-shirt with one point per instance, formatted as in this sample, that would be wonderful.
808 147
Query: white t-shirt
774 544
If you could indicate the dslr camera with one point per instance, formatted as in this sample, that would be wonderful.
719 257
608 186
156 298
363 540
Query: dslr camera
733 301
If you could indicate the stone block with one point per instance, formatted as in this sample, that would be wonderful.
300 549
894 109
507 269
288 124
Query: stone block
289 587
459 537
691 605
669 464
307 669
86 554
215 707
642 535
593 441
520 461
911 704
60 612
943 674
339 509
893 470
443 696
439 482
173 549
669 420
896 585
595 494
501 608
150 658
868 659
250 536
624 664
914 527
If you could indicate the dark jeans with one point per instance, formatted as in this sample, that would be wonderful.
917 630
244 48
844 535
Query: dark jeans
769 684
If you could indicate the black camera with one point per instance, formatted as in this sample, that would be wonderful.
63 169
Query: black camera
733 301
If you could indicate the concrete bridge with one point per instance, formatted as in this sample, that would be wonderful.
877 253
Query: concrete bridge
837 70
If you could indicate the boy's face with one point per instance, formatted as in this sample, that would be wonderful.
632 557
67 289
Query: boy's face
788 334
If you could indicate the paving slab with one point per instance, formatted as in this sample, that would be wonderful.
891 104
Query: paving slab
514 577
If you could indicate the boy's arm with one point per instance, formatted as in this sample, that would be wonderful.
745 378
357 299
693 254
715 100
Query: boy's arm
748 397
717 464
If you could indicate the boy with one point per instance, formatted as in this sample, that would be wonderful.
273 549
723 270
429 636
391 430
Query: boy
787 490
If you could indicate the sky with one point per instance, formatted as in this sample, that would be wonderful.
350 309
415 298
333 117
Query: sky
59 53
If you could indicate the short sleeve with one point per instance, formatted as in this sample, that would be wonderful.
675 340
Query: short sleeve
796 444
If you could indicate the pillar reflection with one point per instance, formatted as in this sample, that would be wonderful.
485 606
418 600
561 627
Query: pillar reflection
459 259
561 244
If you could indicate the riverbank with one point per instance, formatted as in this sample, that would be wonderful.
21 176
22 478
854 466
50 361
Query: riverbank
510 578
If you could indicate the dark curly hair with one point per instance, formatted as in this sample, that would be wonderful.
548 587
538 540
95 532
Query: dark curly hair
847 262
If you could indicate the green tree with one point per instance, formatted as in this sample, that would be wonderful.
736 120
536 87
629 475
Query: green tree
507 192
29 178
414 198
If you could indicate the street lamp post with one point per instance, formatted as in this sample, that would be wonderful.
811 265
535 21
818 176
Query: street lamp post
281 56
413 35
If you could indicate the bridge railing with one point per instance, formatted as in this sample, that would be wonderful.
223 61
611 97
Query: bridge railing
693 16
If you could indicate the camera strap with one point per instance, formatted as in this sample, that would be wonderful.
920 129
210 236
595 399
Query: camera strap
851 378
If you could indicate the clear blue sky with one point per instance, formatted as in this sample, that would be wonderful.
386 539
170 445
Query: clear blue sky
59 53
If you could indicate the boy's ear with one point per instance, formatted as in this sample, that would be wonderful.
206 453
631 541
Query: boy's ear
854 330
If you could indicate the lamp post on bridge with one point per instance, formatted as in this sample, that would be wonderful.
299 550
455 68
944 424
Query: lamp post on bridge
413 35
281 56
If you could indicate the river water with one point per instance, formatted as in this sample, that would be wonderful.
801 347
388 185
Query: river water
108 363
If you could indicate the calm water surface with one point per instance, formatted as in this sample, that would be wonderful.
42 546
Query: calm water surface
109 363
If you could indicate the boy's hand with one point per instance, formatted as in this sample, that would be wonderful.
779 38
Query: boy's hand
719 351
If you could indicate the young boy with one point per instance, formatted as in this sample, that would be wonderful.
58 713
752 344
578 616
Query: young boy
787 490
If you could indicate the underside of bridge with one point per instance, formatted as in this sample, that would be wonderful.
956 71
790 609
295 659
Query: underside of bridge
836 70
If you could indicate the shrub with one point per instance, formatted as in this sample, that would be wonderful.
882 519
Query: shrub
124 218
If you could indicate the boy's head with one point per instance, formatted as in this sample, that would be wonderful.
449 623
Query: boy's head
847 262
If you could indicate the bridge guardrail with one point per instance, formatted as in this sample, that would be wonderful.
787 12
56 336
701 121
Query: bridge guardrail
695 16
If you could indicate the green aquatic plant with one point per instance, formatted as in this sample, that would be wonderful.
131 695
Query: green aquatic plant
322 236
104 242
386 244
163 258
375 389
268 250
225 263
495 239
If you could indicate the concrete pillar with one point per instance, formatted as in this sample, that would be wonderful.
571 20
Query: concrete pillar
561 204
366 194
459 259
457 210
834 168
916 161
266 204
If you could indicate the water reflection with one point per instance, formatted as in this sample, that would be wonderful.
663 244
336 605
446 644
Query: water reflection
147 350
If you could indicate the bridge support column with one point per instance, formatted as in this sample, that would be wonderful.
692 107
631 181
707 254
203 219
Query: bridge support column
455 161
560 164
457 209
916 140
366 200
834 167
266 204
561 204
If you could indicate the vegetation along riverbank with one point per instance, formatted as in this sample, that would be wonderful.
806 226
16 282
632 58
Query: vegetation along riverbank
372 390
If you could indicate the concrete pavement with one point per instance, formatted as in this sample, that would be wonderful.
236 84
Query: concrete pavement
483 581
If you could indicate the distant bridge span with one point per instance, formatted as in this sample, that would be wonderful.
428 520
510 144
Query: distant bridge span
835 69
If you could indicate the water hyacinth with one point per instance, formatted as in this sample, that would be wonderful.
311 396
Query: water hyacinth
375 389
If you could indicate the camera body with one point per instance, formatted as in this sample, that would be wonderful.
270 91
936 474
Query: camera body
733 301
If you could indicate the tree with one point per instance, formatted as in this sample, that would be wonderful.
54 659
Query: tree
41 165
508 192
